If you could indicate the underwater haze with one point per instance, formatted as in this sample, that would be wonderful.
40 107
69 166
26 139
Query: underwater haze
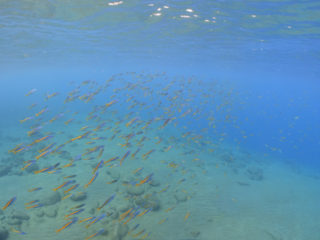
159 120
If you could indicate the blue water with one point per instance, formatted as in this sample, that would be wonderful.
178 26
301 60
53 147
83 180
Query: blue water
245 73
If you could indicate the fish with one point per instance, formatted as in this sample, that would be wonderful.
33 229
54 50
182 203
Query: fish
95 234
35 189
48 96
125 214
41 112
135 153
139 233
84 128
99 126
92 179
132 121
35 206
107 201
124 156
186 216
32 202
64 184
168 148
169 209
74 213
141 140
42 139
9 203
167 121
144 236
16 148
18 231
56 117
163 220
96 219
67 196
71 188
25 119
86 219
68 121
78 206
134 228
33 105
144 156
80 137
132 216
91 150
145 212
101 152
68 164
34 130
43 154
70 176
110 103
19 148
181 180
97 167
145 180
47 169
28 165
113 181
159 141
173 165
138 170
68 224
47 147
58 148
32 91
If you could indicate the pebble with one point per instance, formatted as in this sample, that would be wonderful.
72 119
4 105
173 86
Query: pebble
154 183
255 174
124 207
114 174
135 190
180 196
112 213
151 202
51 212
39 213
79 196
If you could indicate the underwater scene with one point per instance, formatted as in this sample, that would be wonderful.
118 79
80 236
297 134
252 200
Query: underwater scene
159 120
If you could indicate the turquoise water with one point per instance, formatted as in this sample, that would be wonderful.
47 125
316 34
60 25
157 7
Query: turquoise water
167 120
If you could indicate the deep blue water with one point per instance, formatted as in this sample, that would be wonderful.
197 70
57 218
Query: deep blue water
269 60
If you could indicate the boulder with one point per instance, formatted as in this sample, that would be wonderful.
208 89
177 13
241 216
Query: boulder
255 174
4 234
